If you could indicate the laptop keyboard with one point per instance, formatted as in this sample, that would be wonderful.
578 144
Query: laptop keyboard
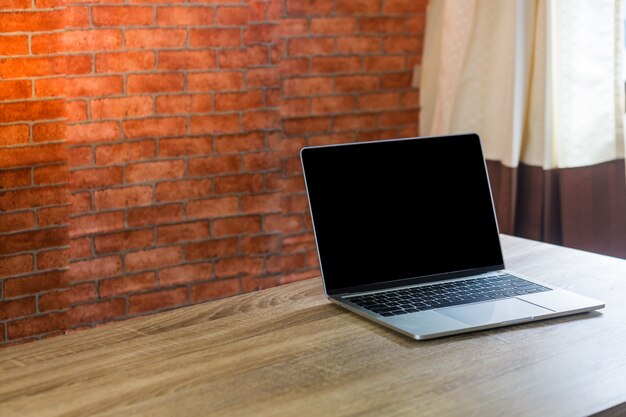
428 297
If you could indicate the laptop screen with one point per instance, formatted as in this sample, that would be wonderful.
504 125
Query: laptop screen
400 212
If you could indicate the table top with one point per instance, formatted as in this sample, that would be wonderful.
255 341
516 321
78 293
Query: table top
288 351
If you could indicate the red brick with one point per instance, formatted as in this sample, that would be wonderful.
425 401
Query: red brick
256 284
127 284
51 174
45 66
80 156
31 110
95 268
263 203
155 170
93 132
157 300
29 198
49 132
399 118
185 146
53 259
356 121
328 26
97 312
262 77
36 325
214 165
123 241
415 24
15 265
232 16
309 7
122 15
260 244
13 135
405 6
121 108
76 110
215 289
239 143
80 203
14 45
155 215
60 300
243 58
410 100
314 46
257 120
261 33
215 124
299 243
356 45
125 61
335 64
184 16
185 274
378 101
92 178
292 27
74 16
125 152
152 83
96 223
238 266
293 107
382 24
211 249
333 104
308 86
15 89
33 284
53 216
155 127
123 197
396 80
215 81
182 190
213 207
261 161
238 101
175 233
80 248
285 263
77 41
179 60
385 63
283 223
306 125
353 84
183 104
17 221
358 6
13 309
153 258
31 21
238 184
215 38
236 226
154 38
403 44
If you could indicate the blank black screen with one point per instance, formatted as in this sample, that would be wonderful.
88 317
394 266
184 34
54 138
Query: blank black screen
394 210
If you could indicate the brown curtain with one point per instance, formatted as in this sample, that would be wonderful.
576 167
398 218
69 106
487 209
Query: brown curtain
583 208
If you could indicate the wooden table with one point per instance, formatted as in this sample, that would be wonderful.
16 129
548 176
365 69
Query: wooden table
287 351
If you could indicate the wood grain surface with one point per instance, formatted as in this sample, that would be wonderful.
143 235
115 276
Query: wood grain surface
287 351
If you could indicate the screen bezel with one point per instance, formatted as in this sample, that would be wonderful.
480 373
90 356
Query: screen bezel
413 280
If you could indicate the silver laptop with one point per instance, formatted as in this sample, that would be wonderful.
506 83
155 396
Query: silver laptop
407 236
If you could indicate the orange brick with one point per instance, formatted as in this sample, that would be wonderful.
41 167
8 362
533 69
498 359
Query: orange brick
14 90
127 284
125 152
262 77
261 33
17 221
236 226
215 81
333 104
93 132
214 165
15 265
80 156
178 60
122 15
335 64
125 61
215 124
31 110
213 207
182 104
155 127
94 269
121 108
232 16
308 86
311 7
92 178
155 215
292 27
53 259
258 120
216 289
238 183
151 171
75 16
293 107
385 63
13 135
151 83
153 258
185 146
118 242
45 66
239 143
157 300
261 161
210 249
76 110
215 38
238 266
314 46
182 190
49 132
185 274
238 101
51 174
327 26
358 6
80 203
34 21
154 38
96 223
306 125
356 45
243 58
185 16
77 41
30 198
353 83
123 197
176 233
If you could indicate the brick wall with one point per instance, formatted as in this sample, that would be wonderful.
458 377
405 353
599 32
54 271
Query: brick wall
159 140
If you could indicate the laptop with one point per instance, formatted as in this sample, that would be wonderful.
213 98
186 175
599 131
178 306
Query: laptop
407 236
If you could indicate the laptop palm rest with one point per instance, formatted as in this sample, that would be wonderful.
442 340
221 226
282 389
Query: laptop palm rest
501 311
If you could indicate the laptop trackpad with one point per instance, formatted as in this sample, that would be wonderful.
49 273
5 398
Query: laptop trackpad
510 309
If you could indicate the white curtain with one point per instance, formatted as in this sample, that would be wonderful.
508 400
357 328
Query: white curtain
539 80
